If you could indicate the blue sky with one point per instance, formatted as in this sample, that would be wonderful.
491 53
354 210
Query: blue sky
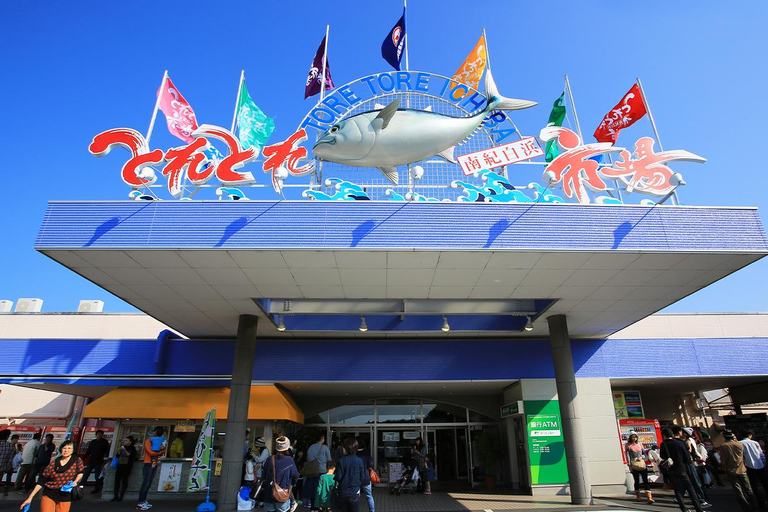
76 69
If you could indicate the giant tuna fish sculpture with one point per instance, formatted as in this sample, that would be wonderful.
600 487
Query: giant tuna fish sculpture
390 137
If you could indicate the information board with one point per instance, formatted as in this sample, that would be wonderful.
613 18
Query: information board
395 472
546 449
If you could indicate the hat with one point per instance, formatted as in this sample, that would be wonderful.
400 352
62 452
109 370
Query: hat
728 434
282 444
688 430
260 442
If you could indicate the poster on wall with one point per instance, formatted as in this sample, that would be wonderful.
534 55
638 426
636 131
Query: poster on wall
395 472
546 448
170 477
628 404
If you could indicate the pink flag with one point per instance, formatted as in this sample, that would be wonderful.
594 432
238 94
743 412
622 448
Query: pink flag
179 114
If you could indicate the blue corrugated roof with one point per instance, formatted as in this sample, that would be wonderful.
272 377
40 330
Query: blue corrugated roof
384 225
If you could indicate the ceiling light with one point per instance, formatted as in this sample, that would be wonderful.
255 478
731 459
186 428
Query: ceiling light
363 326
445 327
280 323
528 324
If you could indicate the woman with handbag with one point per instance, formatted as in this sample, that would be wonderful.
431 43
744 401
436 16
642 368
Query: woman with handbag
59 481
125 457
280 475
637 466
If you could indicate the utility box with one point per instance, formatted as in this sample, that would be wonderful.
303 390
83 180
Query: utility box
29 306
6 306
90 306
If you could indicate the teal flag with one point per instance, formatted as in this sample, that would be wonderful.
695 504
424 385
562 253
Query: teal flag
255 126
556 118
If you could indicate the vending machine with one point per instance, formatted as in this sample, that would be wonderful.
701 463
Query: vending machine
25 432
648 433
59 433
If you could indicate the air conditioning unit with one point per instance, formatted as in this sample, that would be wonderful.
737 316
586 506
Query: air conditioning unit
29 306
6 306
90 306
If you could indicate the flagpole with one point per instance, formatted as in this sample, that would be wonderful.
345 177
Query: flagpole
157 105
237 100
405 42
650 115
573 104
325 59
487 53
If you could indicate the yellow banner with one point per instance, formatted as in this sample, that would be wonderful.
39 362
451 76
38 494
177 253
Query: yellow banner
471 70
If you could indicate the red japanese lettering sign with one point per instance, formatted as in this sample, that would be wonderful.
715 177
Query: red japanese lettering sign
499 156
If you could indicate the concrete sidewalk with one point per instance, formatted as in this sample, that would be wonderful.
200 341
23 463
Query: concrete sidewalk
723 500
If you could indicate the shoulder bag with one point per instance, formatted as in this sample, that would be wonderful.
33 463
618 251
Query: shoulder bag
374 476
311 469
637 464
279 494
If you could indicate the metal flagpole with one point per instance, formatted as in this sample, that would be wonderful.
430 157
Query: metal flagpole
325 59
575 115
237 100
650 115
487 53
157 105
405 43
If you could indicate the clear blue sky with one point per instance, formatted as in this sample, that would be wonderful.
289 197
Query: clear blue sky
73 70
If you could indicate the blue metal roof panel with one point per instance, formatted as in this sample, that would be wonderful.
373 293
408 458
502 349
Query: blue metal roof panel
383 225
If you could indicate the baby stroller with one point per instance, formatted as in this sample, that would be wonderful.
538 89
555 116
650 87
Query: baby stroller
407 483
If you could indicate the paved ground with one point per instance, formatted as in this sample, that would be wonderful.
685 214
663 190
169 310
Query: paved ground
723 500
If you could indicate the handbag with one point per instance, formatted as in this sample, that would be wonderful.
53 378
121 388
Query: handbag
115 460
311 469
637 464
374 476
76 494
279 494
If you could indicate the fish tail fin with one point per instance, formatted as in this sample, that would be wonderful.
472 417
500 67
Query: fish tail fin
498 102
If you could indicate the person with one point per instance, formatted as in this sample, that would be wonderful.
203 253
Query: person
429 474
64 470
7 452
712 463
14 460
250 470
418 453
125 457
675 456
350 473
260 446
27 462
636 463
42 459
319 452
97 451
177 446
326 489
151 457
684 436
754 460
300 459
367 487
280 469
732 457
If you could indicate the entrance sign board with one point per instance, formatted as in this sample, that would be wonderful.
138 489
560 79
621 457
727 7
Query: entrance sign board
499 156
546 449
512 409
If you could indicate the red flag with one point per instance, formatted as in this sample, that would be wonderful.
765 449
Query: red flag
179 114
624 114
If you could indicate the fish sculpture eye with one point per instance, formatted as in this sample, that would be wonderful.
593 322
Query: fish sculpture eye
334 129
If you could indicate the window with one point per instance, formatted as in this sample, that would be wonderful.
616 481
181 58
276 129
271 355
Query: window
399 411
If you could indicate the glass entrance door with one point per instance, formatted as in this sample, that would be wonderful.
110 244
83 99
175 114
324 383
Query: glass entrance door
364 435
448 447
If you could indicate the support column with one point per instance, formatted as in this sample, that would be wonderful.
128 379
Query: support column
573 423
237 415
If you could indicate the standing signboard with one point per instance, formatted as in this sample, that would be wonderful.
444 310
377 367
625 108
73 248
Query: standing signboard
170 477
546 449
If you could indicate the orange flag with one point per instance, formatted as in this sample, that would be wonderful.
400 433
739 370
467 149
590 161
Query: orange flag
471 70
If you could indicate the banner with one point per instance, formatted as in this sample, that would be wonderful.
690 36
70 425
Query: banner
178 113
200 468
394 44
546 447
254 125
471 70
624 114
314 77
556 118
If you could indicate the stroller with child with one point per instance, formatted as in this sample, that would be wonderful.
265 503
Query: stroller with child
407 482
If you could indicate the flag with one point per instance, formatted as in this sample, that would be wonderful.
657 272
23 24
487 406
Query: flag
394 44
178 113
255 127
471 70
556 118
624 114
199 470
314 78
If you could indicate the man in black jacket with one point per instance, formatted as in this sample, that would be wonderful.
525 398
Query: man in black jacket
674 455
98 450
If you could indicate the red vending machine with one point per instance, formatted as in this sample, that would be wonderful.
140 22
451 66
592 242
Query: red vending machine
89 434
24 432
58 432
648 433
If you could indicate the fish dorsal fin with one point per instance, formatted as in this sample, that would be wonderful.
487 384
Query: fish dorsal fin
428 108
387 112
448 154
390 173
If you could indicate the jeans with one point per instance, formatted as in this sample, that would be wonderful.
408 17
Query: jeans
682 483
695 483
94 466
276 506
349 503
147 475
122 472
309 489
368 492
743 490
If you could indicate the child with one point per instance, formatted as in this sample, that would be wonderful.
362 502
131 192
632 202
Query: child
250 469
429 474
326 489
158 443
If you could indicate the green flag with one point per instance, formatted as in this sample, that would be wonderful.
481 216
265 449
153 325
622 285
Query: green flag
200 469
556 118
255 126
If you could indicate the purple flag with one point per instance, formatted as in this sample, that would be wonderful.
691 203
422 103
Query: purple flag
315 78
